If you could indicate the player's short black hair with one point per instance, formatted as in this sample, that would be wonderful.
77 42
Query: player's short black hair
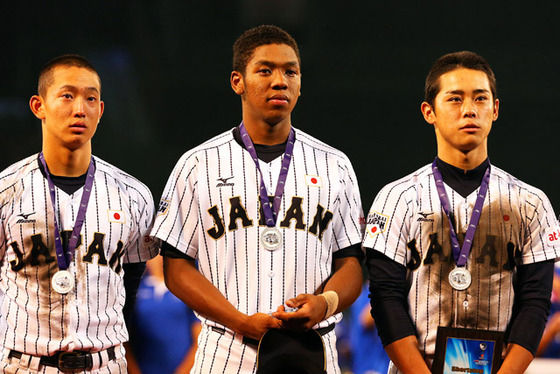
264 34
46 77
452 61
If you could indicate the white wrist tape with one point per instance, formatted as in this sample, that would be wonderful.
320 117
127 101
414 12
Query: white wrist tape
331 297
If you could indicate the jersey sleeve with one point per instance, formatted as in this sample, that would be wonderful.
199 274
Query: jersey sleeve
389 220
177 220
348 222
142 246
542 239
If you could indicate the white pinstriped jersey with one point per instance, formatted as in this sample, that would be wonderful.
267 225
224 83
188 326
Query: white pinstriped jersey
37 320
407 224
210 211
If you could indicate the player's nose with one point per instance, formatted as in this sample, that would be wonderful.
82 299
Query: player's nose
469 109
79 107
279 80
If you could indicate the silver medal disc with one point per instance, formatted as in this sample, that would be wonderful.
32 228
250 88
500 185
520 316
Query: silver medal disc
271 238
62 281
460 278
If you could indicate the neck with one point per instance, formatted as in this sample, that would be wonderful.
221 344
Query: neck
463 160
264 133
64 162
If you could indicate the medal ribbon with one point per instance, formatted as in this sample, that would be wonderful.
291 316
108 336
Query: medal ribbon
461 254
65 257
270 209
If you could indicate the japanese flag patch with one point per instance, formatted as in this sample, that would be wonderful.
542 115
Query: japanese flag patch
376 223
313 180
116 216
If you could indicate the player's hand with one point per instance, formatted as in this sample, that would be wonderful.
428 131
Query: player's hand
311 310
255 325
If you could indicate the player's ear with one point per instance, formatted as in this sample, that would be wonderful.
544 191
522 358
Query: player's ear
237 84
496 107
428 112
36 105
101 108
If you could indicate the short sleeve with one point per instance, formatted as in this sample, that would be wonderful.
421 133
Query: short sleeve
177 221
389 220
542 239
142 247
348 224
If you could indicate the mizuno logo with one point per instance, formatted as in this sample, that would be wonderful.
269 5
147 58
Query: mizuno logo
25 218
223 182
424 217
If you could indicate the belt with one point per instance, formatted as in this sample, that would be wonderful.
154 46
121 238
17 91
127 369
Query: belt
69 361
250 341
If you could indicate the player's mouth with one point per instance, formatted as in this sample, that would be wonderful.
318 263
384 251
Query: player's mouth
78 127
470 128
278 100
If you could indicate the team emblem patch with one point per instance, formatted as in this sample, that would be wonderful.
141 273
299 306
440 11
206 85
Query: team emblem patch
163 206
116 216
376 223
313 180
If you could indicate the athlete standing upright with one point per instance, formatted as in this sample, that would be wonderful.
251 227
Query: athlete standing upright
460 243
255 252
69 224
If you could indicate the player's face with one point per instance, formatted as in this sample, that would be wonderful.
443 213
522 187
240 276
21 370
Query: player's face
463 111
71 107
271 84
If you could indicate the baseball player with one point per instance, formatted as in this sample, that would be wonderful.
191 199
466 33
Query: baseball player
69 223
271 214
459 242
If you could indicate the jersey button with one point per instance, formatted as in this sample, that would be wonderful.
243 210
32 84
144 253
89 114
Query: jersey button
271 274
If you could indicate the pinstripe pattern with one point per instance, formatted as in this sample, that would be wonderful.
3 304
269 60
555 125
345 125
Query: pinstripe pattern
514 213
250 277
36 319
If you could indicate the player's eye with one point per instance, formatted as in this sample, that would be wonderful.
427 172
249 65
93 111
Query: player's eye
92 98
481 98
454 99
291 73
66 95
264 71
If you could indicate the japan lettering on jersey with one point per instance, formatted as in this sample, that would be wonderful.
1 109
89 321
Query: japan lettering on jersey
407 224
36 319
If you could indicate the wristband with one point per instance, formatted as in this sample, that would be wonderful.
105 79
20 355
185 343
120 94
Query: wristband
331 297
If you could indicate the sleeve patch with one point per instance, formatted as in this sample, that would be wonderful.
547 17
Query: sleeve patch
163 207
376 223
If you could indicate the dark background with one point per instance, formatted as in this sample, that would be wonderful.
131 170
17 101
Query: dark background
165 72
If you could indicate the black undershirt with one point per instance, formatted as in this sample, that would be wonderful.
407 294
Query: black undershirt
389 288
265 153
66 184
464 182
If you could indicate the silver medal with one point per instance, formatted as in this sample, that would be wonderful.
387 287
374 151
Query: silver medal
460 278
271 238
62 281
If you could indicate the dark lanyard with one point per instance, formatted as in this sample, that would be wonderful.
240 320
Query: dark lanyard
65 257
461 254
270 213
